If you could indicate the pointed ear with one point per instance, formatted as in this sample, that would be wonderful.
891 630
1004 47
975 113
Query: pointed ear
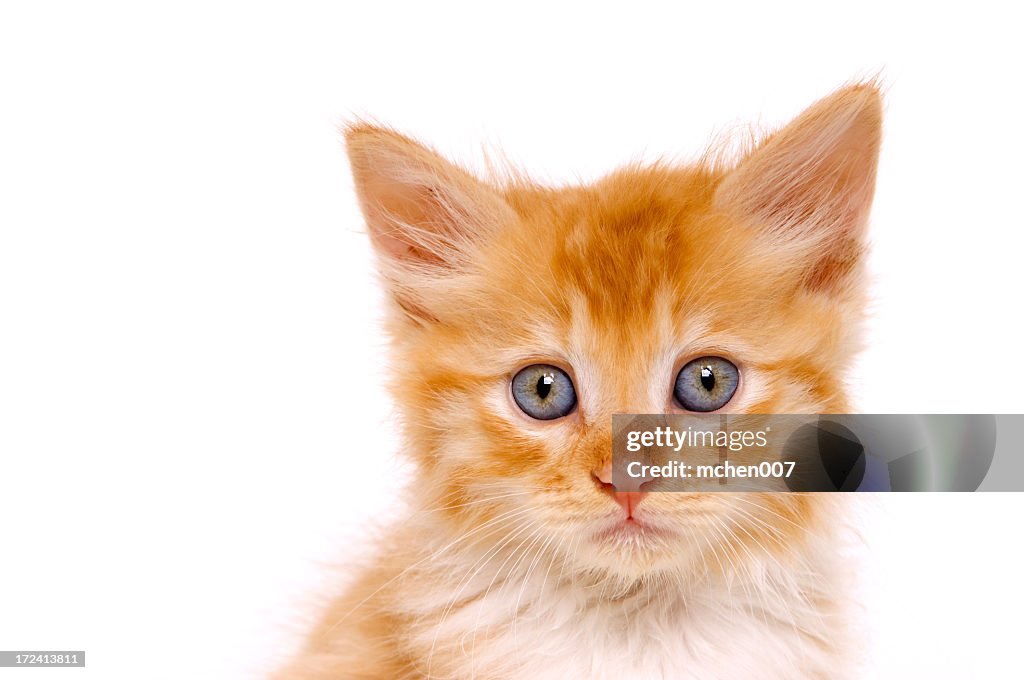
423 213
809 186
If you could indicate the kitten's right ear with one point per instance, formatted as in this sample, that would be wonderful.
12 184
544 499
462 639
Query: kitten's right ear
424 214
809 186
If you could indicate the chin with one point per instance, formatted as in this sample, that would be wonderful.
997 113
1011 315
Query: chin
627 550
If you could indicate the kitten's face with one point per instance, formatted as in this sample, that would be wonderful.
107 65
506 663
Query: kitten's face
619 285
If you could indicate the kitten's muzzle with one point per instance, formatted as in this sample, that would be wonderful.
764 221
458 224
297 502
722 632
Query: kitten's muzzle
627 499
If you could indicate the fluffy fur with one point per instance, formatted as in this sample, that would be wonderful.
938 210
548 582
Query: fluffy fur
513 562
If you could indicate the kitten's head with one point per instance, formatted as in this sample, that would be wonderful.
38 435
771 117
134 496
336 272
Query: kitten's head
525 316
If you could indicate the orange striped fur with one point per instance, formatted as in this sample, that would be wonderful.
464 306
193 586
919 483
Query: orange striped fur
500 570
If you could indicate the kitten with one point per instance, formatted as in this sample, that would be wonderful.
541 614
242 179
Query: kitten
519 559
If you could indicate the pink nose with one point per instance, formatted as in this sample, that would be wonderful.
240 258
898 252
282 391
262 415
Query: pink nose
627 499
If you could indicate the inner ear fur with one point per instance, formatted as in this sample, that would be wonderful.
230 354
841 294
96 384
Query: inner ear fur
810 185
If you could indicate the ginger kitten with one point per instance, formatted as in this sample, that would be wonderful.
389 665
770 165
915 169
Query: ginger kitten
523 317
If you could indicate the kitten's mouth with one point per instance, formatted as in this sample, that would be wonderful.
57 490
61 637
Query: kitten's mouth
631 529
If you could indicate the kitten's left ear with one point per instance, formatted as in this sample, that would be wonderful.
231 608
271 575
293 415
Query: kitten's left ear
427 218
809 186
423 213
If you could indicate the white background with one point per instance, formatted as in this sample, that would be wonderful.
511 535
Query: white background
190 360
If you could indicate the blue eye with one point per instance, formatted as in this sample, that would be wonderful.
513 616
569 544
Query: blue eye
706 384
544 392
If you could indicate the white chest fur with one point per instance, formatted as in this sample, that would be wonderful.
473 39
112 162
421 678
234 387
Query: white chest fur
537 627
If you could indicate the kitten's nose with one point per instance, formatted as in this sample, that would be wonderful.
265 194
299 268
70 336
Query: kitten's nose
627 499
